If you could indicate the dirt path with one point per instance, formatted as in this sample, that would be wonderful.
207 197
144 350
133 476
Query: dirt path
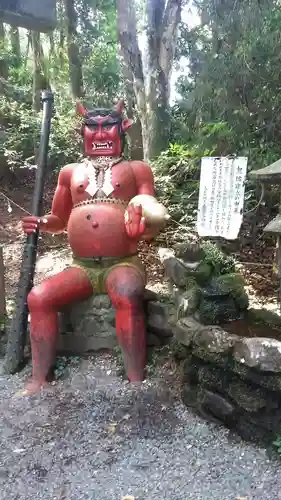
96 437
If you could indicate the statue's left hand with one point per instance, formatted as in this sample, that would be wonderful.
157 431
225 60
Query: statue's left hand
134 221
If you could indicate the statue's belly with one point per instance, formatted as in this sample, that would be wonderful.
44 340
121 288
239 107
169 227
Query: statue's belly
99 230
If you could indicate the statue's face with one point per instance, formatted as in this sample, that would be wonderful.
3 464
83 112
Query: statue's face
103 131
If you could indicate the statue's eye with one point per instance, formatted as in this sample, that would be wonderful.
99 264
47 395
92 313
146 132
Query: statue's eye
107 127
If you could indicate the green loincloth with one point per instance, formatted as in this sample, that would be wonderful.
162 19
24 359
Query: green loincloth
98 269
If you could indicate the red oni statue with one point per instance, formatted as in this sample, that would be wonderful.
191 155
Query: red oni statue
94 202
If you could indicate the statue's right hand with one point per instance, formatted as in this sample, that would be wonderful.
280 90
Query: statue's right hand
31 223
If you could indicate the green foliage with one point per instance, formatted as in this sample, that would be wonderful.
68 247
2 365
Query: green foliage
221 263
99 51
277 444
23 73
203 272
231 282
230 99
102 75
22 128
177 173
117 354
229 102
178 350
3 323
65 143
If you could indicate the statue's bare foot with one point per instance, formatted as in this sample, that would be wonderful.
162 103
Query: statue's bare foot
35 387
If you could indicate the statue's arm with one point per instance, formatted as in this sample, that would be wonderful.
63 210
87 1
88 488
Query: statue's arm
62 204
144 178
145 186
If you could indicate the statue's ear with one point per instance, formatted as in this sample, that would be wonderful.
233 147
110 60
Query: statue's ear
126 124
80 109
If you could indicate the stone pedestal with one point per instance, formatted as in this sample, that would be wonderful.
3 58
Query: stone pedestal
89 326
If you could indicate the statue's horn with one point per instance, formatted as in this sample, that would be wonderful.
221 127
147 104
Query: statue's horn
80 109
119 107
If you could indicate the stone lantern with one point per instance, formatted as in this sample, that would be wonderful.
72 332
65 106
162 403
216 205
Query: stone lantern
271 175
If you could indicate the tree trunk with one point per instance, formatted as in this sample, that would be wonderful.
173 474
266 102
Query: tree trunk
127 32
3 60
39 79
75 66
28 45
152 87
135 133
15 44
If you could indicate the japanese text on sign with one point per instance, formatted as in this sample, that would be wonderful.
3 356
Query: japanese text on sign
221 196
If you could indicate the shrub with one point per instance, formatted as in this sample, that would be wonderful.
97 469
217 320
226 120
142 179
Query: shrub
21 134
177 174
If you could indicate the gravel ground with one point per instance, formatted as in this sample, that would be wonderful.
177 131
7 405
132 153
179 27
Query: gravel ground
94 437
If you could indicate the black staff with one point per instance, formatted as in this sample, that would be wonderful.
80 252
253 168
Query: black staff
17 332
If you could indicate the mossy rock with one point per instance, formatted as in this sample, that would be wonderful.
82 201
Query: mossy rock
241 299
225 284
3 322
221 263
265 317
199 276
178 350
213 290
194 298
231 282
188 302
214 312
244 394
203 273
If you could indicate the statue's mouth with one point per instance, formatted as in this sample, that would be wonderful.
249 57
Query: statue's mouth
102 145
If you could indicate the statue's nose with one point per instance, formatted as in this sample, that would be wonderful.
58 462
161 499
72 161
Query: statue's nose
99 134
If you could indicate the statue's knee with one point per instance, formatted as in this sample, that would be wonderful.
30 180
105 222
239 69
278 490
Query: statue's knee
36 300
125 287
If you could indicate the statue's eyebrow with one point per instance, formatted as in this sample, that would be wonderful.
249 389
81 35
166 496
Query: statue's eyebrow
107 120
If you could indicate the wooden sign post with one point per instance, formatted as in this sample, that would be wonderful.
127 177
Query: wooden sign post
221 197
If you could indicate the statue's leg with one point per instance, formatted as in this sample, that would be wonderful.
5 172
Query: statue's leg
125 286
44 302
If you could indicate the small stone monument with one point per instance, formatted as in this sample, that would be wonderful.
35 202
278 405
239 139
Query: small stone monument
205 283
271 175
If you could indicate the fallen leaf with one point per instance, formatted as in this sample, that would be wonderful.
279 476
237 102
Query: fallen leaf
24 392
112 428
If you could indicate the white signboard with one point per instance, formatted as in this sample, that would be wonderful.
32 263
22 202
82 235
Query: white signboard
221 196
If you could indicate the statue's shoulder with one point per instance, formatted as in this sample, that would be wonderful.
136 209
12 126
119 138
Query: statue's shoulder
73 166
136 163
124 164
139 165
67 171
